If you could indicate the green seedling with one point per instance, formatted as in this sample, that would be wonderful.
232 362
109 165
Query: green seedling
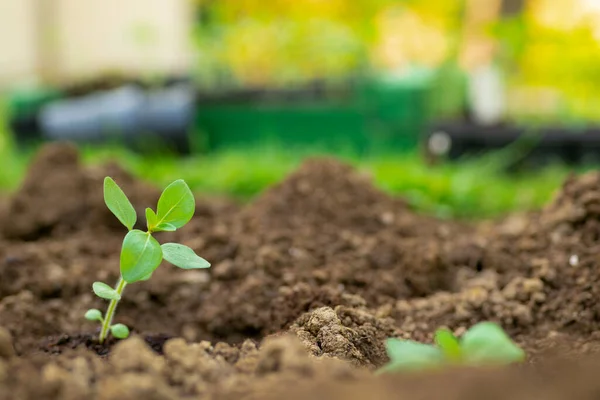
483 344
141 253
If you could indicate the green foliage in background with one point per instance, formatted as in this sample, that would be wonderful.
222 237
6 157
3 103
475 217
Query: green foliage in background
551 49
550 52
282 42
471 189
12 164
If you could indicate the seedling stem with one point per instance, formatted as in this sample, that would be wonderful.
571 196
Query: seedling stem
110 312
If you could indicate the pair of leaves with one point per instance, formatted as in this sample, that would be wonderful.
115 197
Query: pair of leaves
141 254
484 344
119 331
175 208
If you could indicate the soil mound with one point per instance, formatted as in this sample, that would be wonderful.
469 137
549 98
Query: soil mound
533 273
59 196
322 232
326 193
576 205
307 282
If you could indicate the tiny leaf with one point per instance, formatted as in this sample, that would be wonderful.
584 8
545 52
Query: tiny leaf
165 227
448 344
176 204
151 219
183 257
106 292
119 331
118 203
140 256
94 315
409 355
487 343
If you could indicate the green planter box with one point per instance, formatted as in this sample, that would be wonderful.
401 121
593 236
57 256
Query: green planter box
323 126
378 115
24 103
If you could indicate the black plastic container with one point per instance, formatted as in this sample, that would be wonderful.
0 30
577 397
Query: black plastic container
531 147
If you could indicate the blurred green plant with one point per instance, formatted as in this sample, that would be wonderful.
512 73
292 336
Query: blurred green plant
12 162
552 54
472 188
484 344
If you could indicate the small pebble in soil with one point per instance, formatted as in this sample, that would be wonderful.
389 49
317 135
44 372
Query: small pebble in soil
574 260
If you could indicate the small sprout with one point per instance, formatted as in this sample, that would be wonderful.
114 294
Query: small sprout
93 315
154 225
141 253
151 219
484 344
119 331
106 292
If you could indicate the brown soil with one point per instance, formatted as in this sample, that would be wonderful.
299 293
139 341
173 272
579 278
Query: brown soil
307 281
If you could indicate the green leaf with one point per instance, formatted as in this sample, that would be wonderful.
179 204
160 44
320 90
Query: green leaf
119 331
183 257
448 344
487 343
94 315
409 355
118 203
106 292
147 277
151 219
165 227
140 256
176 204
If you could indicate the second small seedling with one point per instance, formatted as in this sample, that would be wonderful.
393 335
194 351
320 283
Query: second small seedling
483 344
141 253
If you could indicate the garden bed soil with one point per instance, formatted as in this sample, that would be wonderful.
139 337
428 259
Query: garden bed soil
306 283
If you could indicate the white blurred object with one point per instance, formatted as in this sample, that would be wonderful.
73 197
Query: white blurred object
124 112
574 260
74 39
591 5
440 143
487 95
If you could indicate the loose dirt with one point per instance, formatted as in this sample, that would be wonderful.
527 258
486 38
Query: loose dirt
306 283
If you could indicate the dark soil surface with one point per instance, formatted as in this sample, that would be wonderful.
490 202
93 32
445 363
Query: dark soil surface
307 282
